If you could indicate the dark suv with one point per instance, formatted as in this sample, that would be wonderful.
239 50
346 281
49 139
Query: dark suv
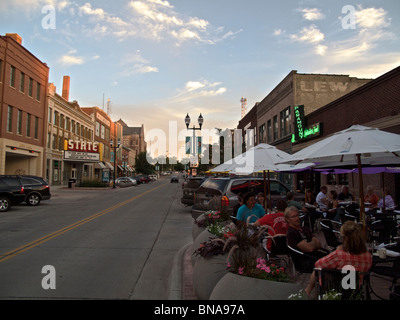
16 189
214 191
36 189
11 192
189 188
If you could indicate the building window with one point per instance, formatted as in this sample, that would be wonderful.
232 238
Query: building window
48 140
54 141
103 131
19 122
12 77
60 143
62 121
269 131
68 124
9 118
261 134
38 92
28 125
55 118
22 82
97 129
275 121
50 114
36 135
285 122
30 89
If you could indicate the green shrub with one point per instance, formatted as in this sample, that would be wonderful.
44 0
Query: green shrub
92 184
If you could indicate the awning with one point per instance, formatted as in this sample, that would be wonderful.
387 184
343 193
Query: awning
99 165
109 165
120 168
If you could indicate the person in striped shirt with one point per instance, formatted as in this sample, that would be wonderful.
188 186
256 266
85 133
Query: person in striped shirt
352 252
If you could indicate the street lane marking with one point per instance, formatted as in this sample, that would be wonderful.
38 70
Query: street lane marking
77 224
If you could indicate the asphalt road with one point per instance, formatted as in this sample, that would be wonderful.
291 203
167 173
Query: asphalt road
102 244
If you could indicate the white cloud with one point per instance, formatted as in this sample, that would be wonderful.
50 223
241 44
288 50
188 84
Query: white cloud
199 89
309 34
312 14
87 10
321 49
135 63
69 60
371 18
194 85
157 20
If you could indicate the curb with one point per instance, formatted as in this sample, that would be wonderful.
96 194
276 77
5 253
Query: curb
176 277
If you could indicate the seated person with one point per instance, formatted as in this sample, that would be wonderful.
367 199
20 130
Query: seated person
322 199
291 202
332 206
310 199
239 204
353 252
275 220
250 211
371 197
345 195
389 202
298 237
261 199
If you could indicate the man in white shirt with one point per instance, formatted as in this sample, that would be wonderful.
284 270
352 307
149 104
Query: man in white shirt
322 199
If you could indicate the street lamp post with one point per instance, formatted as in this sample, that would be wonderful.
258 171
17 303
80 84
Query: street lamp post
115 157
187 122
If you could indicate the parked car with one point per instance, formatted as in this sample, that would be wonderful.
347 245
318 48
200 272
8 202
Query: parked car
215 191
189 188
15 189
125 182
11 192
36 189
174 179
143 178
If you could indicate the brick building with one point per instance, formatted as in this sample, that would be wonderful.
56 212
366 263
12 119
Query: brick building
67 122
275 113
376 104
104 131
248 125
133 138
23 108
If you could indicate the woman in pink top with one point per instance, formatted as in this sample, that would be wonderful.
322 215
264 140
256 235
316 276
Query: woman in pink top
353 252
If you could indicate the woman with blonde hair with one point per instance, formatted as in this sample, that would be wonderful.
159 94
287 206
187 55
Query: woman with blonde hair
352 252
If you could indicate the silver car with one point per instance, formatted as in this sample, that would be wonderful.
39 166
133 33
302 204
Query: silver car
224 190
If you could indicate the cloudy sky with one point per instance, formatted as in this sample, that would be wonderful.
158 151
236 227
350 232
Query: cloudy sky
158 60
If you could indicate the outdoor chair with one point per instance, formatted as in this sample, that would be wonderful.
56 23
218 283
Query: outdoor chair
330 229
387 269
234 220
395 289
337 281
386 229
278 248
304 262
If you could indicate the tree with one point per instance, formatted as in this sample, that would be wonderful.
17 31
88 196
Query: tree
141 164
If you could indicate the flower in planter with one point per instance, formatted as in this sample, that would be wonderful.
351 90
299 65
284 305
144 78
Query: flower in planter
211 248
244 255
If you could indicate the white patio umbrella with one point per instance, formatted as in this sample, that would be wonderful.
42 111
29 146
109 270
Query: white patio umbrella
355 146
261 158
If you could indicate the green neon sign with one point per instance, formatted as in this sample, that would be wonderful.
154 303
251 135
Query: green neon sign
301 132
